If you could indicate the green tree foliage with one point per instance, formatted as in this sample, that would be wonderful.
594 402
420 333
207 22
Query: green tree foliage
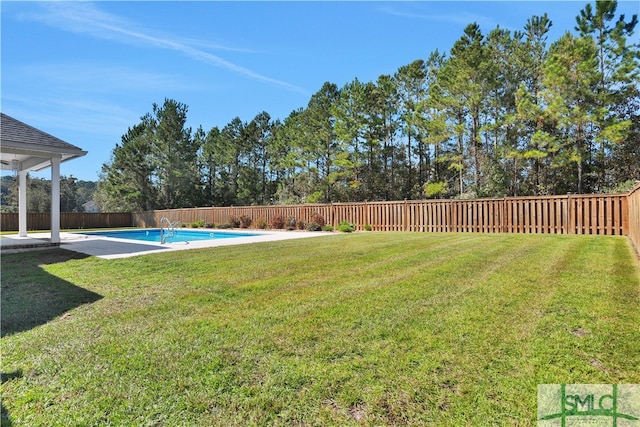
256 179
175 155
617 65
528 123
410 82
74 194
351 124
322 142
501 113
570 80
155 165
290 161
127 181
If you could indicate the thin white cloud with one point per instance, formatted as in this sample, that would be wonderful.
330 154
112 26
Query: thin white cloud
99 78
88 19
457 17
81 115
208 45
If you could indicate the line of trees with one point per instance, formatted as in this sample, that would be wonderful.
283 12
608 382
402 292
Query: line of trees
506 113
74 193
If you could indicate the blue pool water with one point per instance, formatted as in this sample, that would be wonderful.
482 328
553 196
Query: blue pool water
181 235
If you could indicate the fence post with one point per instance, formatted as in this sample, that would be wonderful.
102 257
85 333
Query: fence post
368 213
569 217
450 217
405 214
333 216
503 215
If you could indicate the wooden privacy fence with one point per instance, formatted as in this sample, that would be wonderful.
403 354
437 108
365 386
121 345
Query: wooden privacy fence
571 214
634 217
604 214
68 220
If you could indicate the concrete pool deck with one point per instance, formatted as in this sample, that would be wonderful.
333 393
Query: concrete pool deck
111 248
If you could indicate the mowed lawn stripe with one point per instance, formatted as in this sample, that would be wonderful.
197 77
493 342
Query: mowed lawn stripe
369 328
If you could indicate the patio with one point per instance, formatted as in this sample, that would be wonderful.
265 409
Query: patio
13 243
111 248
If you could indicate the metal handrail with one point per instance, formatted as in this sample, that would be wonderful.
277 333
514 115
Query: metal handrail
171 229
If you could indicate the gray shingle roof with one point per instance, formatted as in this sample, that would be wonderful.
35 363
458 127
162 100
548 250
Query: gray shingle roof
14 132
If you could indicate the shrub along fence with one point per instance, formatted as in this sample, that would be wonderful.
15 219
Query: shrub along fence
570 214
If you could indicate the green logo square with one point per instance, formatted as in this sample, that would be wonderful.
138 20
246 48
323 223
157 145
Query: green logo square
566 405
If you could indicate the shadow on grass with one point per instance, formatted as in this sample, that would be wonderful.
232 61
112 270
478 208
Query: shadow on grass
31 296
5 419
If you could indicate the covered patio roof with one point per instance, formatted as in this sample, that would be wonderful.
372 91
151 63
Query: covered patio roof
24 148
31 147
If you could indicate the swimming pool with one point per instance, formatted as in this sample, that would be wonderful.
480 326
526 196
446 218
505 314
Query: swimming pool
181 235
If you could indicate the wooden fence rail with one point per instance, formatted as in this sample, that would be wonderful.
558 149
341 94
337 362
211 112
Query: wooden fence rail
68 220
572 214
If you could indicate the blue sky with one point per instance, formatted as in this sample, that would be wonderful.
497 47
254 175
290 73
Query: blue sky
86 71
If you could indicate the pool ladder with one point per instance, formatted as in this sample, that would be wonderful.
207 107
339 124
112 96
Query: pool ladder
170 229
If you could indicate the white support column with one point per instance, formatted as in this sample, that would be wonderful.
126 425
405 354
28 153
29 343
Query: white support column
55 200
22 203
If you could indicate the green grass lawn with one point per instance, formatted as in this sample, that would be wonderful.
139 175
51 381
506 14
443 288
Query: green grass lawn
365 328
